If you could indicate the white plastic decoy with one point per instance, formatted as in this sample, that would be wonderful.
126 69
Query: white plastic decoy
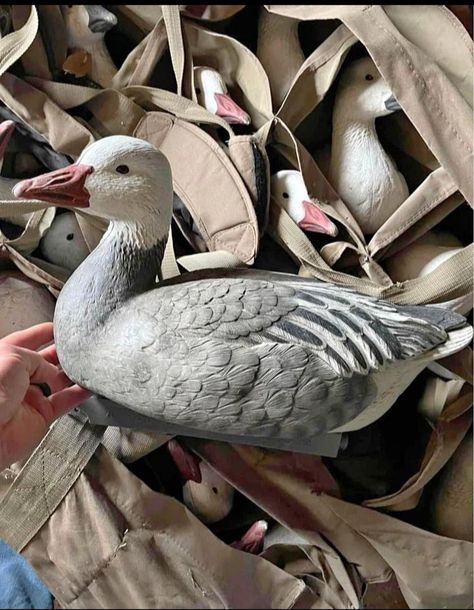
361 171
212 93
63 243
290 192
205 492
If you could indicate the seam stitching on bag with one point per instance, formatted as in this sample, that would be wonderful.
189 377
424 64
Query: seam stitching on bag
433 102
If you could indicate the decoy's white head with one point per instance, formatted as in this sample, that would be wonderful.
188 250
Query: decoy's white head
363 94
86 24
212 93
289 191
118 178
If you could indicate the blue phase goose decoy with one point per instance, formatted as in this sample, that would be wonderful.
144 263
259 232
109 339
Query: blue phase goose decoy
238 351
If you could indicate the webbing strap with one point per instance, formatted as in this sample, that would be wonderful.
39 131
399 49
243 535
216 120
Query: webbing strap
46 478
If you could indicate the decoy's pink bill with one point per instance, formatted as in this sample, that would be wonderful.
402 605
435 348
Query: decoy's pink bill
6 130
316 221
64 187
228 110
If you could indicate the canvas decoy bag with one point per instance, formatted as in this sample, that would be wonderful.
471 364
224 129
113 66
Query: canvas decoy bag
73 509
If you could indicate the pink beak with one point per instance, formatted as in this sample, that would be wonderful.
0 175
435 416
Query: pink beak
186 462
316 221
228 110
64 187
252 540
6 130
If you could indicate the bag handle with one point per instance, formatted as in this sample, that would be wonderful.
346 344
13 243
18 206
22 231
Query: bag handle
13 45
172 19
52 469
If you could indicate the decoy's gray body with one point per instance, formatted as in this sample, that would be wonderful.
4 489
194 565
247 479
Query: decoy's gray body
242 352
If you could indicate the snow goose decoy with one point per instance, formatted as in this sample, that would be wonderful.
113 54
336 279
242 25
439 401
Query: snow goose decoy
219 352
289 191
86 26
212 93
361 171
205 492
63 243
279 52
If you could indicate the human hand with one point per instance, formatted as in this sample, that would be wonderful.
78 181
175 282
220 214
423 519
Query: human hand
25 412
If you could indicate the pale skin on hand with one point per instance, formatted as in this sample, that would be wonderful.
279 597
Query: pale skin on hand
25 412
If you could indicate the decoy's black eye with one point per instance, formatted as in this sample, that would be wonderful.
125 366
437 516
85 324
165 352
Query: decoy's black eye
285 196
122 169
70 236
214 489
369 77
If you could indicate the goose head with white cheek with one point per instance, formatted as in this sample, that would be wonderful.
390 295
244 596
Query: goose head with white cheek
212 93
289 191
121 179
363 93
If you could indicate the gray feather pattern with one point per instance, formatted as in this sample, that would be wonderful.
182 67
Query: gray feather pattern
246 353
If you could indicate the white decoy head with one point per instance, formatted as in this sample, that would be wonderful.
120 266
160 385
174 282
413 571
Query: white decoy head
364 93
212 93
289 191
86 24
64 243
205 492
121 179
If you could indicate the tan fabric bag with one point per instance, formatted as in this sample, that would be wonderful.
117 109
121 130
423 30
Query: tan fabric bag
140 527
422 79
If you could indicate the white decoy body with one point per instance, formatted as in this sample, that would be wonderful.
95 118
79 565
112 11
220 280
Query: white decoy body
238 351
205 492
63 243
279 52
212 93
86 26
361 171
424 256
290 192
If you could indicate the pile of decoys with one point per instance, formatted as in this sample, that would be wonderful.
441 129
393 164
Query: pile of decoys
238 352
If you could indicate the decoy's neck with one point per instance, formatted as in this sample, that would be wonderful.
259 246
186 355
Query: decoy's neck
125 263
354 141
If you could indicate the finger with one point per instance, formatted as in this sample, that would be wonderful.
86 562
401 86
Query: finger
50 354
67 399
31 338
41 371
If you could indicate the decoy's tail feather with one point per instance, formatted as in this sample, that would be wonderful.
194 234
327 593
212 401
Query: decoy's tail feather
458 339
443 318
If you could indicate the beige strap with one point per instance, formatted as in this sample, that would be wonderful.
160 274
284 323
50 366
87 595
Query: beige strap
446 437
172 21
452 279
13 45
210 260
46 478
179 106
169 267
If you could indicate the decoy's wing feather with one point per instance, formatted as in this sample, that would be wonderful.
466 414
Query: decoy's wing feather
350 332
